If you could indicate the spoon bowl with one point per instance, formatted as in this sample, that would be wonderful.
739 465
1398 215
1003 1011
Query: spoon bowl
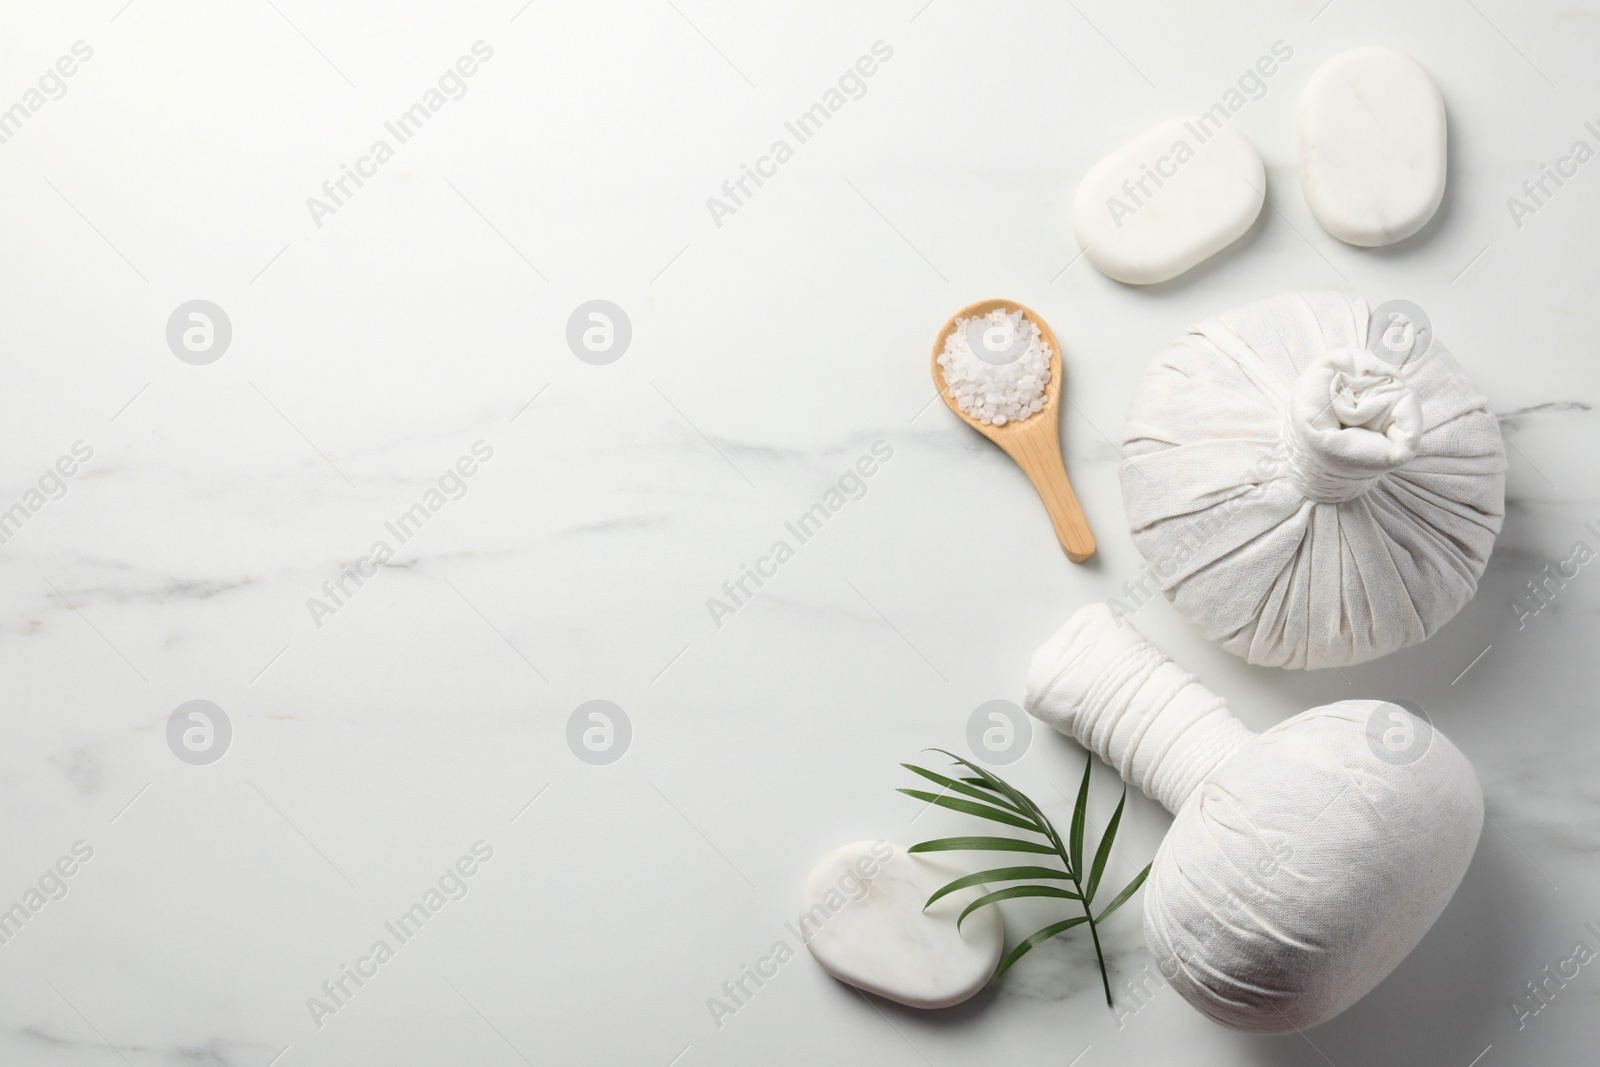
1033 442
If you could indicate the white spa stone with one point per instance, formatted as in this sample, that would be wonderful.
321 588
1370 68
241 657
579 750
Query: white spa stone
1168 200
862 911
1372 146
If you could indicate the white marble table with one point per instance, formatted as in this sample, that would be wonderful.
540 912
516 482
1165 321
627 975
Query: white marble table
377 740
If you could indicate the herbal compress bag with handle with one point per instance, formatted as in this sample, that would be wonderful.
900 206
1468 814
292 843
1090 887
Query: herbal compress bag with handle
1306 502
1304 862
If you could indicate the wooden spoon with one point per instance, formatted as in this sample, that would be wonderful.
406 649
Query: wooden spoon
1034 442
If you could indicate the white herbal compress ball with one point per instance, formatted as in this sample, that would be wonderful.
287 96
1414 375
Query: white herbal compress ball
1303 501
1304 862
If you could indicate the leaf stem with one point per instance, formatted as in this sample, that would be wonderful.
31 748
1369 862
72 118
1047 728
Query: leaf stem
1105 979
1094 934
1077 882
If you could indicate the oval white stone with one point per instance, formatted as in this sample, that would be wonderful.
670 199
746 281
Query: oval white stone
864 916
1372 146
1168 200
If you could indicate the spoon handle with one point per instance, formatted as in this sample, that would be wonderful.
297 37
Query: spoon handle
1036 447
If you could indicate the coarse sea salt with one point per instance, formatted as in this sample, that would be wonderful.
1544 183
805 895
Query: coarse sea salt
996 367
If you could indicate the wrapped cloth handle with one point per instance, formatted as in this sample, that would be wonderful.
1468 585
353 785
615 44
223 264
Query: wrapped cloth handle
1098 681
1351 419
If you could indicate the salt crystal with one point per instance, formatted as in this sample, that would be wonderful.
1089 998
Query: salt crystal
996 367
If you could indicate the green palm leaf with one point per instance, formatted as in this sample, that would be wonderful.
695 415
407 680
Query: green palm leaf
1104 852
991 797
999 874
1011 894
968 807
1080 812
998 784
981 844
1127 892
965 788
1035 938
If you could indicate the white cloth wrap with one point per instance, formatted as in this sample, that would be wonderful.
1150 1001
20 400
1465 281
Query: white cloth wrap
1121 698
1303 502
1302 866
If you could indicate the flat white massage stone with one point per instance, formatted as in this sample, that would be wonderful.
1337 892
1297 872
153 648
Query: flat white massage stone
1372 146
1168 200
863 915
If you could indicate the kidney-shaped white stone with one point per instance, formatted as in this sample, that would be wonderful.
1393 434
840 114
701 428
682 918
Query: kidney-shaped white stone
1168 200
862 914
1372 146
